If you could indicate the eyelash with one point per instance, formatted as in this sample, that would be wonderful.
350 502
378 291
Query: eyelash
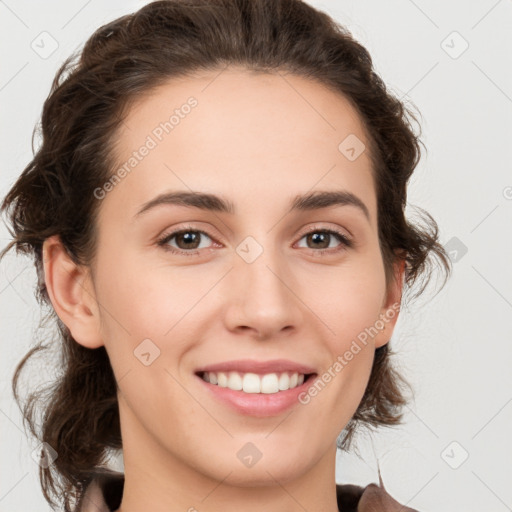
346 243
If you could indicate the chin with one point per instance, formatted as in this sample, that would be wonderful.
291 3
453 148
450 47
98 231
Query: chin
262 476
279 465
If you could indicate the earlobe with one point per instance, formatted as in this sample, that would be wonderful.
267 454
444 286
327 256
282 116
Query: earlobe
391 307
71 293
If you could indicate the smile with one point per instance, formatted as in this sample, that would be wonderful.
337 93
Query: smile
256 395
254 383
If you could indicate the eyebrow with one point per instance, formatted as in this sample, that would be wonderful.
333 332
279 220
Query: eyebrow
211 202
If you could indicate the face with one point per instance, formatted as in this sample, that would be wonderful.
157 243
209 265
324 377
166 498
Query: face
266 279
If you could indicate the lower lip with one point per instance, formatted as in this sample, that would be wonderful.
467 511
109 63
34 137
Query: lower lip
258 404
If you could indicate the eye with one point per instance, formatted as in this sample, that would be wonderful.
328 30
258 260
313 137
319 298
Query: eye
188 240
322 238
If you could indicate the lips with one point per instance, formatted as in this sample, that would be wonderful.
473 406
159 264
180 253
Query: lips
258 367
256 388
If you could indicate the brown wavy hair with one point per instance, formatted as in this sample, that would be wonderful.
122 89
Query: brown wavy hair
89 96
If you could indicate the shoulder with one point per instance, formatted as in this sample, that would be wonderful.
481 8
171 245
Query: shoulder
104 492
372 498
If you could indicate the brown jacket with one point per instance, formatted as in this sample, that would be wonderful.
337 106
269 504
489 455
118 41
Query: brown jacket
106 489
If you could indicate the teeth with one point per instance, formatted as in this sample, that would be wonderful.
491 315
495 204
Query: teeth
254 383
251 383
234 381
222 379
269 383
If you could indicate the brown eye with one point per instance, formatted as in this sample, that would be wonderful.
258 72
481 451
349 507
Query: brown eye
187 241
320 240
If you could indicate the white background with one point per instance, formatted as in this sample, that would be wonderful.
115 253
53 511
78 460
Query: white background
454 347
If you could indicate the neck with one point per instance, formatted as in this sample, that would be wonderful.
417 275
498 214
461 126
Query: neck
158 480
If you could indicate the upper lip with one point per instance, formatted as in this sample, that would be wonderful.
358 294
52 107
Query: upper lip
251 366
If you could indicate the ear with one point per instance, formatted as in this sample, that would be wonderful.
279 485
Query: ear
72 294
391 305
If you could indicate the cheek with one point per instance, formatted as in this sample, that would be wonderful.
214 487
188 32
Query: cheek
159 304
349 305
339 388
139 299
348 300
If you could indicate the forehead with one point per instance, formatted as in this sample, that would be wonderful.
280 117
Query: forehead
248 135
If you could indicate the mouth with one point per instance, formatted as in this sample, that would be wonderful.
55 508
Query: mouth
253 394
256 388
256 383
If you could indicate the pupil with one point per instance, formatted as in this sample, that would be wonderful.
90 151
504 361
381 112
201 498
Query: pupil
189 237
315 237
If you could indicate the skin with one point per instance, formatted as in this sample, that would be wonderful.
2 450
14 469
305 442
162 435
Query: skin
257 140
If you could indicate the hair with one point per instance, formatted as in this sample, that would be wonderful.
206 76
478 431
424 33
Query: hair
54 195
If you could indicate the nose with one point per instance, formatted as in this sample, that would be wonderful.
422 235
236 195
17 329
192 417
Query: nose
261 297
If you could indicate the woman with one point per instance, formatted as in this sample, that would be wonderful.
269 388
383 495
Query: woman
193 155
